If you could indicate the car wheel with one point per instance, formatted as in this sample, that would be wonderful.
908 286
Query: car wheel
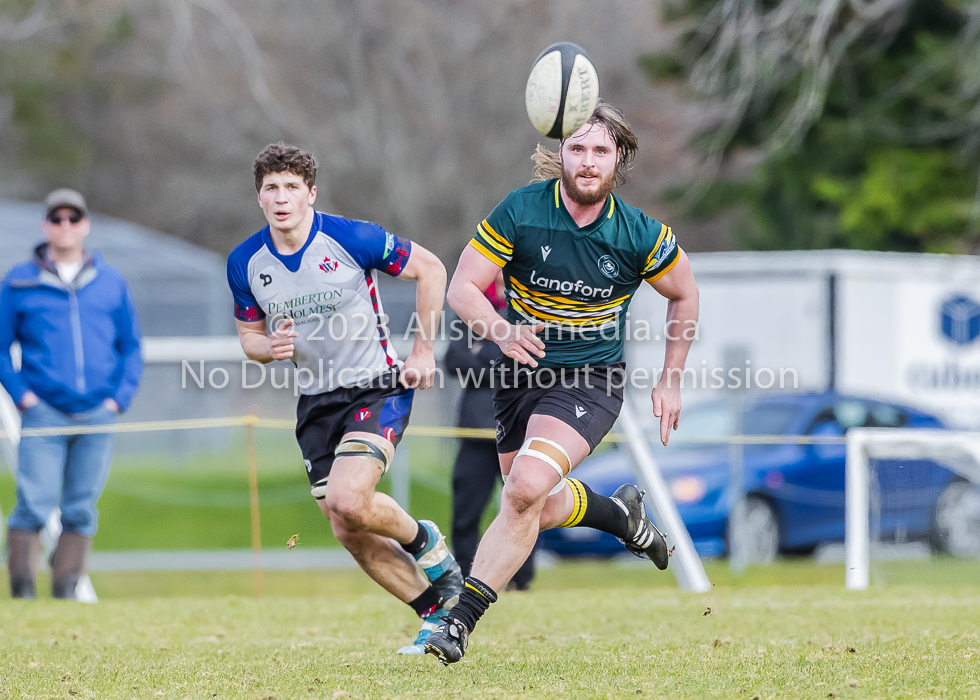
958 519
753 532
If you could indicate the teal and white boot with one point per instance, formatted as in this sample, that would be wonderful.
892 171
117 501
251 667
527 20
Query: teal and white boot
442 571
440 566
430 623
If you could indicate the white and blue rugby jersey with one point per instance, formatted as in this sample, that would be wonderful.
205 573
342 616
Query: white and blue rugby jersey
329 288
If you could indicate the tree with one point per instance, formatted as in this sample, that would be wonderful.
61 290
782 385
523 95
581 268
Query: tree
865 116
414 110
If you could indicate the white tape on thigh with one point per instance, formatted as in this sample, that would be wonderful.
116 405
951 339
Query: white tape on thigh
526 449
364 449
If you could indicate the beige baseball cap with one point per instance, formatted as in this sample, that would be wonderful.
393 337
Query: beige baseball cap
64 197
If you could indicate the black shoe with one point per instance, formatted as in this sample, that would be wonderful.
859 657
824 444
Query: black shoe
642 537
448 643
23 588
64 589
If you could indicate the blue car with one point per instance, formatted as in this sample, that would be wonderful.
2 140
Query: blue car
794 494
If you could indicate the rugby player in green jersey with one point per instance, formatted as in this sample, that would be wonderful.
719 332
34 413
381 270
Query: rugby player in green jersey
573 254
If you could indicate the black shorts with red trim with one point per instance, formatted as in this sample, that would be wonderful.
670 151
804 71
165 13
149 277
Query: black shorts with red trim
586 398
322 420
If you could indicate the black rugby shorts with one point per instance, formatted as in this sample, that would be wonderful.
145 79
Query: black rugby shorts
586 398
322 420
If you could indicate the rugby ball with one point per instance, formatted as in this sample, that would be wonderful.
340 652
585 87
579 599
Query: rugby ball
562 90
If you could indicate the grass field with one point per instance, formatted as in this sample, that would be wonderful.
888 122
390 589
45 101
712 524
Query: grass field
203 502
587 630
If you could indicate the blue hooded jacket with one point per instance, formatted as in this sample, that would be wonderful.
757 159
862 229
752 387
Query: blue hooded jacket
80 342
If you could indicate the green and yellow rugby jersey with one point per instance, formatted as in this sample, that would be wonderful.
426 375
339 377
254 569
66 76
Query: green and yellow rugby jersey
578 281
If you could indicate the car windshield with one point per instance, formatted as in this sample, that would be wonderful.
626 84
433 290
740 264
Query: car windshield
718 420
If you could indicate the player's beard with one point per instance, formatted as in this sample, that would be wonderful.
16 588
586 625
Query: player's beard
587 199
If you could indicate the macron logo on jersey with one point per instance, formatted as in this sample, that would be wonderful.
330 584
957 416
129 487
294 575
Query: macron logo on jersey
545 252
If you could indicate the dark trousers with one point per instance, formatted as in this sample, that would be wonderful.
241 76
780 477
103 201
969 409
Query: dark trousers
475 473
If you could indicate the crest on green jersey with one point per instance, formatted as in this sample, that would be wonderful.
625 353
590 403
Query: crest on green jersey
608 267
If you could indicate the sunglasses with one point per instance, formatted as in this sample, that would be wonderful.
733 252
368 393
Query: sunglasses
55 219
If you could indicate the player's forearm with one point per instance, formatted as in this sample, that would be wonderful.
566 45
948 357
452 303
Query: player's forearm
680 330
429 297
257 347
472 306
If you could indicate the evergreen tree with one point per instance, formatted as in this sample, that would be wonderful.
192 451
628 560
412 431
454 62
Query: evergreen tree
865 115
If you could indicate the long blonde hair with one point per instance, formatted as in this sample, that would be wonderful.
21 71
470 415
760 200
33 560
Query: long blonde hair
548 165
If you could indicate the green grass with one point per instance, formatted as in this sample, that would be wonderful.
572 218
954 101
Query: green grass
594 574
203 502
585 631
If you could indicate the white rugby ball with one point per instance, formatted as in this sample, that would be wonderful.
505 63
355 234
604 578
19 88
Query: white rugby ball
562 90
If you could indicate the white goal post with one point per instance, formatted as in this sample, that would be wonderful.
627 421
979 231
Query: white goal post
687 566
10 423
957 451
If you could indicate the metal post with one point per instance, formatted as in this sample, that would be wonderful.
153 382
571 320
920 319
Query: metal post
856 531
253 492
687 564
737 554
832 330
10 422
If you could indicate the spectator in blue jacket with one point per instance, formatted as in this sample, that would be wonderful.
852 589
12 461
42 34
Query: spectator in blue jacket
74 318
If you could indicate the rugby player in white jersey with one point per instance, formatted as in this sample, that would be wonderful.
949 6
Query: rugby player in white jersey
305 290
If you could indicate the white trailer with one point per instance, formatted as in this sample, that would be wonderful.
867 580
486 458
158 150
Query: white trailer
896 326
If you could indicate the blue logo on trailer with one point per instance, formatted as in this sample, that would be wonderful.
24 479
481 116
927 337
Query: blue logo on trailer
960 320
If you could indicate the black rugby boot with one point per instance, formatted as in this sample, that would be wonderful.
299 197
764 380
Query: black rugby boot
642 537
448 643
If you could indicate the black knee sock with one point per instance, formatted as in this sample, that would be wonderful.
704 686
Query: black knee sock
426 603
473 602
418 544
592 510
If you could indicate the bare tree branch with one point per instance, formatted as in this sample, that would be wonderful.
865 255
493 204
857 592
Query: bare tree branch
740 55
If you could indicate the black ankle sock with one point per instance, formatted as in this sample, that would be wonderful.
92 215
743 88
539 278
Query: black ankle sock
418 544
592 510
427 602
473 602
